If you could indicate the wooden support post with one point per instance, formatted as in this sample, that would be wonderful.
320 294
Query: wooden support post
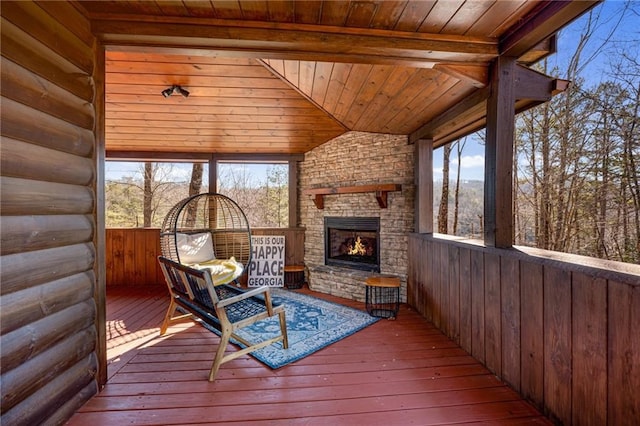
99 238
213 173
498 162
293 193
424 186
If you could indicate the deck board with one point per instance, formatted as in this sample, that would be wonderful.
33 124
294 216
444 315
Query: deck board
392 372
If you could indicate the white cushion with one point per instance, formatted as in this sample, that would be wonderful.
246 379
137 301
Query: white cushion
195 248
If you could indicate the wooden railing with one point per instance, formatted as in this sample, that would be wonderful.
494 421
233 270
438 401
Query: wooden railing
131 253
560 329
132 256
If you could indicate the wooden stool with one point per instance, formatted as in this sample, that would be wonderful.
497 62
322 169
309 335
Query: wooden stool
294 276
382 297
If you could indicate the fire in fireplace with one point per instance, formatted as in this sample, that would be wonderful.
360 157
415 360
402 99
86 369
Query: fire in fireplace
352 242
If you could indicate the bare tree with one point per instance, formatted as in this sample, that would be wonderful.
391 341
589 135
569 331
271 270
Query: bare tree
574 174
276 197
195 186
443 211
147 194
459 148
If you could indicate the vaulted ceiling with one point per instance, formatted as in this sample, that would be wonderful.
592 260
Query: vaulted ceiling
286 76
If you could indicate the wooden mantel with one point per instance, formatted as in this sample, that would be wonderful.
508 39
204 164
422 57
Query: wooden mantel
380 191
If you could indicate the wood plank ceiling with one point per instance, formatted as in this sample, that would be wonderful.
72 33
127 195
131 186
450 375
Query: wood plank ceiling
286 76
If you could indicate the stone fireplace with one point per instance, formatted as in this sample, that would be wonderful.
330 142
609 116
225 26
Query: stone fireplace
389 159
352 242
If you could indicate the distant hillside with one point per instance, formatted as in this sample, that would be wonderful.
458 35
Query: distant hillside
470 206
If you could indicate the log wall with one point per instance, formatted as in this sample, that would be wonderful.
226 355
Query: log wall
48 179
560 329
131 253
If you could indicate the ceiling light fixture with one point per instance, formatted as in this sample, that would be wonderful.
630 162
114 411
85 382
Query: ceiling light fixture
173 89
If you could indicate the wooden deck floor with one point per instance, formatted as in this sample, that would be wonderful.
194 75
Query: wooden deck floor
391 373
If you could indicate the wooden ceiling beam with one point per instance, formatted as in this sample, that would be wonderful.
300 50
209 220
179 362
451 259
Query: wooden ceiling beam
533 85
531 89
429 130
298 42
476 75
200 157
546 19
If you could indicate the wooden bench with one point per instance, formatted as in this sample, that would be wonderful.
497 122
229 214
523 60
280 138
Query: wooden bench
224 307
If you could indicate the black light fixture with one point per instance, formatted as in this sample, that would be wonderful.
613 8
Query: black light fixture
173 89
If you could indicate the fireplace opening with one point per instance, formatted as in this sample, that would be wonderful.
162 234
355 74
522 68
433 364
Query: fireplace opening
352 242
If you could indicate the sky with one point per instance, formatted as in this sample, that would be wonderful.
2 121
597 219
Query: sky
610 25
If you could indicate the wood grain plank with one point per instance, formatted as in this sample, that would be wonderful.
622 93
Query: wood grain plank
623 324
465 16
292 72
435 287
532 332
281 10
428 271
308 12
337 82
499 16
511 321
356 81
492 313
387 14
589 350
117 255
129 259
413 14
412 267
227 9
477 306
454 293
198 8
361 14
403 369
378 107
321 81
375 81
139 258
334 12
557 343
440 15
422 95
443 288
306 77
465 299
254 10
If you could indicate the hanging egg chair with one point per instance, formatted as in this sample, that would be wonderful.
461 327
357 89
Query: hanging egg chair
208 231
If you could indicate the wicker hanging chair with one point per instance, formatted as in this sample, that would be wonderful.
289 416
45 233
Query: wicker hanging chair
206 231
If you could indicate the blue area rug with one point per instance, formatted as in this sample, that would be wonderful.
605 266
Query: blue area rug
312 324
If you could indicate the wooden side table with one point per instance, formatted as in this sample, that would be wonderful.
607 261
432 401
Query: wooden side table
382 296
294 276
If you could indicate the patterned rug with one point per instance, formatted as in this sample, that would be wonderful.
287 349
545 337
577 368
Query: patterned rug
312 324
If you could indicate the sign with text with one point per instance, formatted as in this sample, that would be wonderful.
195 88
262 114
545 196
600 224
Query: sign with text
267 261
